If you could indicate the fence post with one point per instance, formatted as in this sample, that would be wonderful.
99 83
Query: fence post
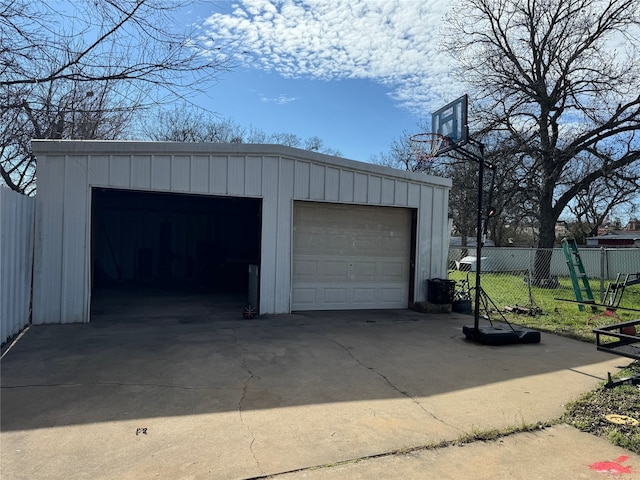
531 262
602 273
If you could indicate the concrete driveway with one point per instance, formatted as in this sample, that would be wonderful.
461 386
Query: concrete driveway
196 395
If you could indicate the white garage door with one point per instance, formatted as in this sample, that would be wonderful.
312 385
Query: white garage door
350 257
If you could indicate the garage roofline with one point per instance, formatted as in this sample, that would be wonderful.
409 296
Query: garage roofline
134 147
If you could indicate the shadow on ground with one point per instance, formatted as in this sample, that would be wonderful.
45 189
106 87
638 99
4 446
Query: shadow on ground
136 363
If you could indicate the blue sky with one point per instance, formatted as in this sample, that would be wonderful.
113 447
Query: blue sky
356 73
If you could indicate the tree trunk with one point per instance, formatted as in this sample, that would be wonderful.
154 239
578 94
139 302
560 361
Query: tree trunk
546 241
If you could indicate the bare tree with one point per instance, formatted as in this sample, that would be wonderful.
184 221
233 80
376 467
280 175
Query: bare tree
595 204
184 123
403 155
559 80
57 110
400 154
79 69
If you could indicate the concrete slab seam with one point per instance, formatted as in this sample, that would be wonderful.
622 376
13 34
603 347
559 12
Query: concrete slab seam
388 382
420 448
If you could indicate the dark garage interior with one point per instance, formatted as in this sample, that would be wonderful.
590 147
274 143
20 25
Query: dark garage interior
173 243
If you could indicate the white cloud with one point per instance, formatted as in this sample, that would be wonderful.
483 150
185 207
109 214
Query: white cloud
281 99
395 43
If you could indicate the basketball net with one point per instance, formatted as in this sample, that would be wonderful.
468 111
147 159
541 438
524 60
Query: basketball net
426 147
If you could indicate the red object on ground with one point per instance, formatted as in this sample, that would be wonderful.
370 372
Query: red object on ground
612 467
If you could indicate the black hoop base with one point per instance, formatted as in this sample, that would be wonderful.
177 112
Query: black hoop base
496 335
506 334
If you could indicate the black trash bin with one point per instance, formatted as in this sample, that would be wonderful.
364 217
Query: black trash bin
440 291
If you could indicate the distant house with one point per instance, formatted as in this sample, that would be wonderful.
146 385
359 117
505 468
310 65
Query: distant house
611 238
562 229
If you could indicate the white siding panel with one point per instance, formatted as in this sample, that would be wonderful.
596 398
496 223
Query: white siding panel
199 174
283 250
269 245
346 186
302 179
218 175
98 170
401 193
424 242
236 176
253 177
388 191
413 196
332 184
120 171
74 302
180 173
317 182
47 291
375 190
141 172
360 183
161 172
438 234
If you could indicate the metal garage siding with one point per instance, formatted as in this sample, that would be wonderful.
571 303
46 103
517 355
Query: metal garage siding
350 257
47 281
278 175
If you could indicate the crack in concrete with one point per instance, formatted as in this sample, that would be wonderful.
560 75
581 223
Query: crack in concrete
402 392
245 387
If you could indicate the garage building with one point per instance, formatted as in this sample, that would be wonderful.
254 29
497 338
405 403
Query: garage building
317 232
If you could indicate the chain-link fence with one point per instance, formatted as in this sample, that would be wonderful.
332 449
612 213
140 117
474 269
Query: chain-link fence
508 274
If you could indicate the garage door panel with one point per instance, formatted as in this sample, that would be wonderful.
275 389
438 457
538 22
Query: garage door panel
305 269
306 296
394 271
360 257
345 296
392 244
364 270
304 242
336 270
393 296
364 295
337 243
335 295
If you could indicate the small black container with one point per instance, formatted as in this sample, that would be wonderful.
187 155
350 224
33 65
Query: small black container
440 291
461 306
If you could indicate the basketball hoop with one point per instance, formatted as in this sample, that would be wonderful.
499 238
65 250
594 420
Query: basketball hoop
427 146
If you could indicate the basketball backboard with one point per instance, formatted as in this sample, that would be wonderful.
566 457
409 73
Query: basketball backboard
451 121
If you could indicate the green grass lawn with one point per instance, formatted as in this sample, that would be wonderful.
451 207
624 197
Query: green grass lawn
561 317
565 318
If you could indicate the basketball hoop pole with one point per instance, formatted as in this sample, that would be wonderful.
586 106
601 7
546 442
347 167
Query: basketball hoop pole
492 335
481 296
479 227
450 122
476 312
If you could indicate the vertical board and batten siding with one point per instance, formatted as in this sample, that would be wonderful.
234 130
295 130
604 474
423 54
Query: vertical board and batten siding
16 261
278 175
